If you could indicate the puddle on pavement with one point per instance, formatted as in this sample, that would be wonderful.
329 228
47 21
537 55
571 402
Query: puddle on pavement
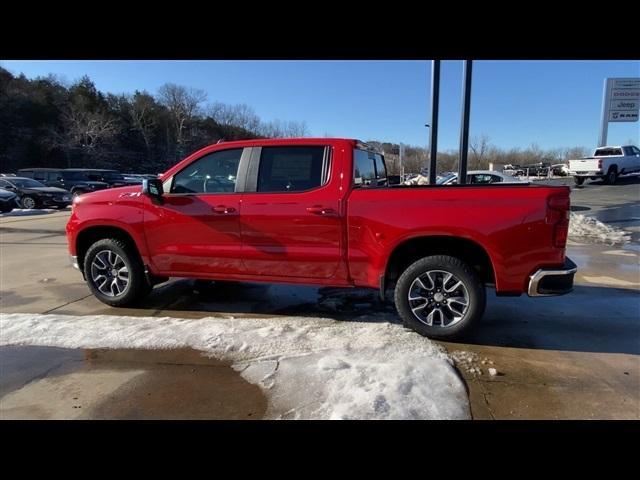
59 383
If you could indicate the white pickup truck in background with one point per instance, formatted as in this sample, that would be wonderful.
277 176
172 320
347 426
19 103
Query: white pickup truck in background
607 162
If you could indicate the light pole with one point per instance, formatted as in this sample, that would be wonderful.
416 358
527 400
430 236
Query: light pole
428 144
433 131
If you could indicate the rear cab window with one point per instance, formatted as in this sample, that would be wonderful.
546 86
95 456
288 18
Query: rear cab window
369 168
608 152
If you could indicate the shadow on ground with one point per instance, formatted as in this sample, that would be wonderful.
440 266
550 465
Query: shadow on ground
590 319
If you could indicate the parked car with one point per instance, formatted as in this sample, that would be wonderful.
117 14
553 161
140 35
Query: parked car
513 170
111 177
560 169
134 178
319 211
8 200
477 177
75 180
33 194
607 163
539 169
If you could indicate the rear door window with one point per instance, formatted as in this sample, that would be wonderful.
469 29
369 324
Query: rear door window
40 176
292 169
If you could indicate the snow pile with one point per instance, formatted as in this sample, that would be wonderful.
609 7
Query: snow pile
23 212
309 368
588 228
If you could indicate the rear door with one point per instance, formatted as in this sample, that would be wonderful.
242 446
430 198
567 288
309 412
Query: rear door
291 223
196 227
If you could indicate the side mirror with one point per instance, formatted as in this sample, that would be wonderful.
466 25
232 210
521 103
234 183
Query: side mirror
152 187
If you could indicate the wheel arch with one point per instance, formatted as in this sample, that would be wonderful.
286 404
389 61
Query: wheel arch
88 236
412 249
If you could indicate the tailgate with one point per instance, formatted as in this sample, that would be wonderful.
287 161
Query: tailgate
584 165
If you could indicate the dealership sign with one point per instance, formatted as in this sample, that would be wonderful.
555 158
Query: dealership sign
622 96
620 103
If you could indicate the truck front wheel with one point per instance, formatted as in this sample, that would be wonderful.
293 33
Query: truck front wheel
115 273
440 297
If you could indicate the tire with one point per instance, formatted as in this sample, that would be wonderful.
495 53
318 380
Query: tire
578 180
457 318
137 286
612 176
28 202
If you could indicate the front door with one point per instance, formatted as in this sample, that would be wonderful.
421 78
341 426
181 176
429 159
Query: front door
291 221
196 227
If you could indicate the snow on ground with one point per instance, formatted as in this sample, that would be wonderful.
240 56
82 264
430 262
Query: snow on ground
309 368
582 227
23 212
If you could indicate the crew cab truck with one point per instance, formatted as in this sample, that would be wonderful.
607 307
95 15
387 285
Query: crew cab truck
322 212
607 163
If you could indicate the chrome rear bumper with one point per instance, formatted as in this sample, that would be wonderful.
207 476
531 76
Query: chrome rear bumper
548 282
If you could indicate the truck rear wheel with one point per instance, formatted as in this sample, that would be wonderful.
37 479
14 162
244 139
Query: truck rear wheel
578 180
440 297
115 273
612 176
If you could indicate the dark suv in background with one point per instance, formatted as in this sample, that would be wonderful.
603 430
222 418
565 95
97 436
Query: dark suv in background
75 180
112 177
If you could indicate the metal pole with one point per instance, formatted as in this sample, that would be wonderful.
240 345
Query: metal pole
464 131
604 121
435 102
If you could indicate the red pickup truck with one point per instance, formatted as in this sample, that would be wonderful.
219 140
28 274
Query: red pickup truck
322 211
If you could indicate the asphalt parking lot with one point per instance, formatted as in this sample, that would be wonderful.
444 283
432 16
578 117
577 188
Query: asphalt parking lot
571 357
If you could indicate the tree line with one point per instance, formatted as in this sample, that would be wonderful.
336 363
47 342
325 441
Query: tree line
44 122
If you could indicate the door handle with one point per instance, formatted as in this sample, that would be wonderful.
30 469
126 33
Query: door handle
223 209
319 210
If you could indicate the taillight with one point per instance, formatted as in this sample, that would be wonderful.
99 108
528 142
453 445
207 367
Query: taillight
558 215
599 164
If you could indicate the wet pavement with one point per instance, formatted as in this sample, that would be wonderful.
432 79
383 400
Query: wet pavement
47 383
576 356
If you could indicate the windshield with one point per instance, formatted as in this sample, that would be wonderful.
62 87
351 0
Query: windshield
444 177
26 183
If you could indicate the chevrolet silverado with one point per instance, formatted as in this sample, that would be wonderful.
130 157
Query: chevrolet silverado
322 212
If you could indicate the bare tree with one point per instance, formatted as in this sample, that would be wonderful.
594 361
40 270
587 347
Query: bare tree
83 130
280 129
479 147
142 117
240 115
182 104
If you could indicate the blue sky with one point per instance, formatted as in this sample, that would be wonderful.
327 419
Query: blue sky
516 103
